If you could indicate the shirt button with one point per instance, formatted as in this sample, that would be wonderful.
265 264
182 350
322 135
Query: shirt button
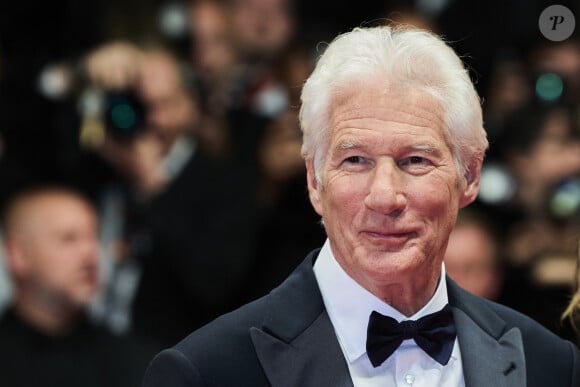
409 379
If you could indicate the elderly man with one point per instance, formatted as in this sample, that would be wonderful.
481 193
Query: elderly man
393 143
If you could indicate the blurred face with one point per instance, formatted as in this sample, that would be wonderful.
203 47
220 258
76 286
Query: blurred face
562 59
261 27
556 154
170 110
59 249
389 192
214 54
470 261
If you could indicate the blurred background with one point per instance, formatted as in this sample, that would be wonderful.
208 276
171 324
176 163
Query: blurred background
178 120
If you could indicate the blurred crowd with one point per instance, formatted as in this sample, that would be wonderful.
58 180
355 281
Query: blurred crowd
177 123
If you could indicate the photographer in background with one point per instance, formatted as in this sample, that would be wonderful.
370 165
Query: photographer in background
148 111
185 218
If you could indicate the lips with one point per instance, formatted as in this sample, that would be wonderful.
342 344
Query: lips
89 274
387 232
388 238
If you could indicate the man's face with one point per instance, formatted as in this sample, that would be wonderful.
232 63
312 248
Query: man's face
170 111
389 191
59 248
556 154
470 261
210 32
262 27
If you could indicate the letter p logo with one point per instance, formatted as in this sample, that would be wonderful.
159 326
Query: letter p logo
559 19
557 23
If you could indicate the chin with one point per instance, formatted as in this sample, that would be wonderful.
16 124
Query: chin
84 298
392 265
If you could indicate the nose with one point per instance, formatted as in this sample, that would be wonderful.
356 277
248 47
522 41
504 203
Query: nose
385 193
155 118
89 249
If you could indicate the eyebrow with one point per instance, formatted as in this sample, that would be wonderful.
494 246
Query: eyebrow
349 144
423 147
427 148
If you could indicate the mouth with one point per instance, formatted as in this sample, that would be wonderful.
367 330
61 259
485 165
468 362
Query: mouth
387 238
89 275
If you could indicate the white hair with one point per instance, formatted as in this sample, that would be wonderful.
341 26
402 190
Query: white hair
399 57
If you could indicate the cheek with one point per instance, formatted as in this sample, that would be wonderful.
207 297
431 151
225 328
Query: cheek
51 273
342 199
436 204
183 111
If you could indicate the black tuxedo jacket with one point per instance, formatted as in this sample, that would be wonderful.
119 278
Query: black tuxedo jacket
286 339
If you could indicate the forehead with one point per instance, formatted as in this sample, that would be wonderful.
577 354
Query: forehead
383 112
55 211
159 75
412 106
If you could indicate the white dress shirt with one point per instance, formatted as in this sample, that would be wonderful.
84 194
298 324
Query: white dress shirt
349 306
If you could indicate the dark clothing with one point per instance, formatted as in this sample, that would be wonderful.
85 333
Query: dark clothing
193 242
202 231
542 302
286 339
290 230
87 357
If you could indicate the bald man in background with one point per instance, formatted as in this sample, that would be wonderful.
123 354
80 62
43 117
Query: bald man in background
52 255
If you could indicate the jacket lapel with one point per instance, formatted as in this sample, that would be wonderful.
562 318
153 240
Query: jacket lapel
492 355
311 359
296 344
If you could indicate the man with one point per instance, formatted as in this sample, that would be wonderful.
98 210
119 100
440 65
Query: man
393 143
51 245
472 255
168 176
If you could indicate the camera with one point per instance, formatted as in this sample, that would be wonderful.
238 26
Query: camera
124 114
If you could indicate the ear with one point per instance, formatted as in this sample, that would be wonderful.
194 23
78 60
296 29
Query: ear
471 189
15 258
313 187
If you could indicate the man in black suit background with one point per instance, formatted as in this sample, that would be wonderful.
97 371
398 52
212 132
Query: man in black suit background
183 212
393 144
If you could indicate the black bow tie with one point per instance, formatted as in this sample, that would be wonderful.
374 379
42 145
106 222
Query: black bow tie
434 333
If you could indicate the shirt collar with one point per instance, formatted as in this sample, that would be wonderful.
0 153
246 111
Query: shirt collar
349 305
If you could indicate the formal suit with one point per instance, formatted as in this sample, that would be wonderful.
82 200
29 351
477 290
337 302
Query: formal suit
287 339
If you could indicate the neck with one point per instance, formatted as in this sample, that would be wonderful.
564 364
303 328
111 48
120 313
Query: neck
407 293
405 301
167 141
51 317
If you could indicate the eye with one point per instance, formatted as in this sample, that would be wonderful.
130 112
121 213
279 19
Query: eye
355 163
416 164
414 160
354 160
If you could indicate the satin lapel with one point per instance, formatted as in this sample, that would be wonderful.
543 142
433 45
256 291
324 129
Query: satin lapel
488 361
297 345
490 354
312 359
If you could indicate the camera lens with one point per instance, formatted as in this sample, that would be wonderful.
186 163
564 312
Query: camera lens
125 115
